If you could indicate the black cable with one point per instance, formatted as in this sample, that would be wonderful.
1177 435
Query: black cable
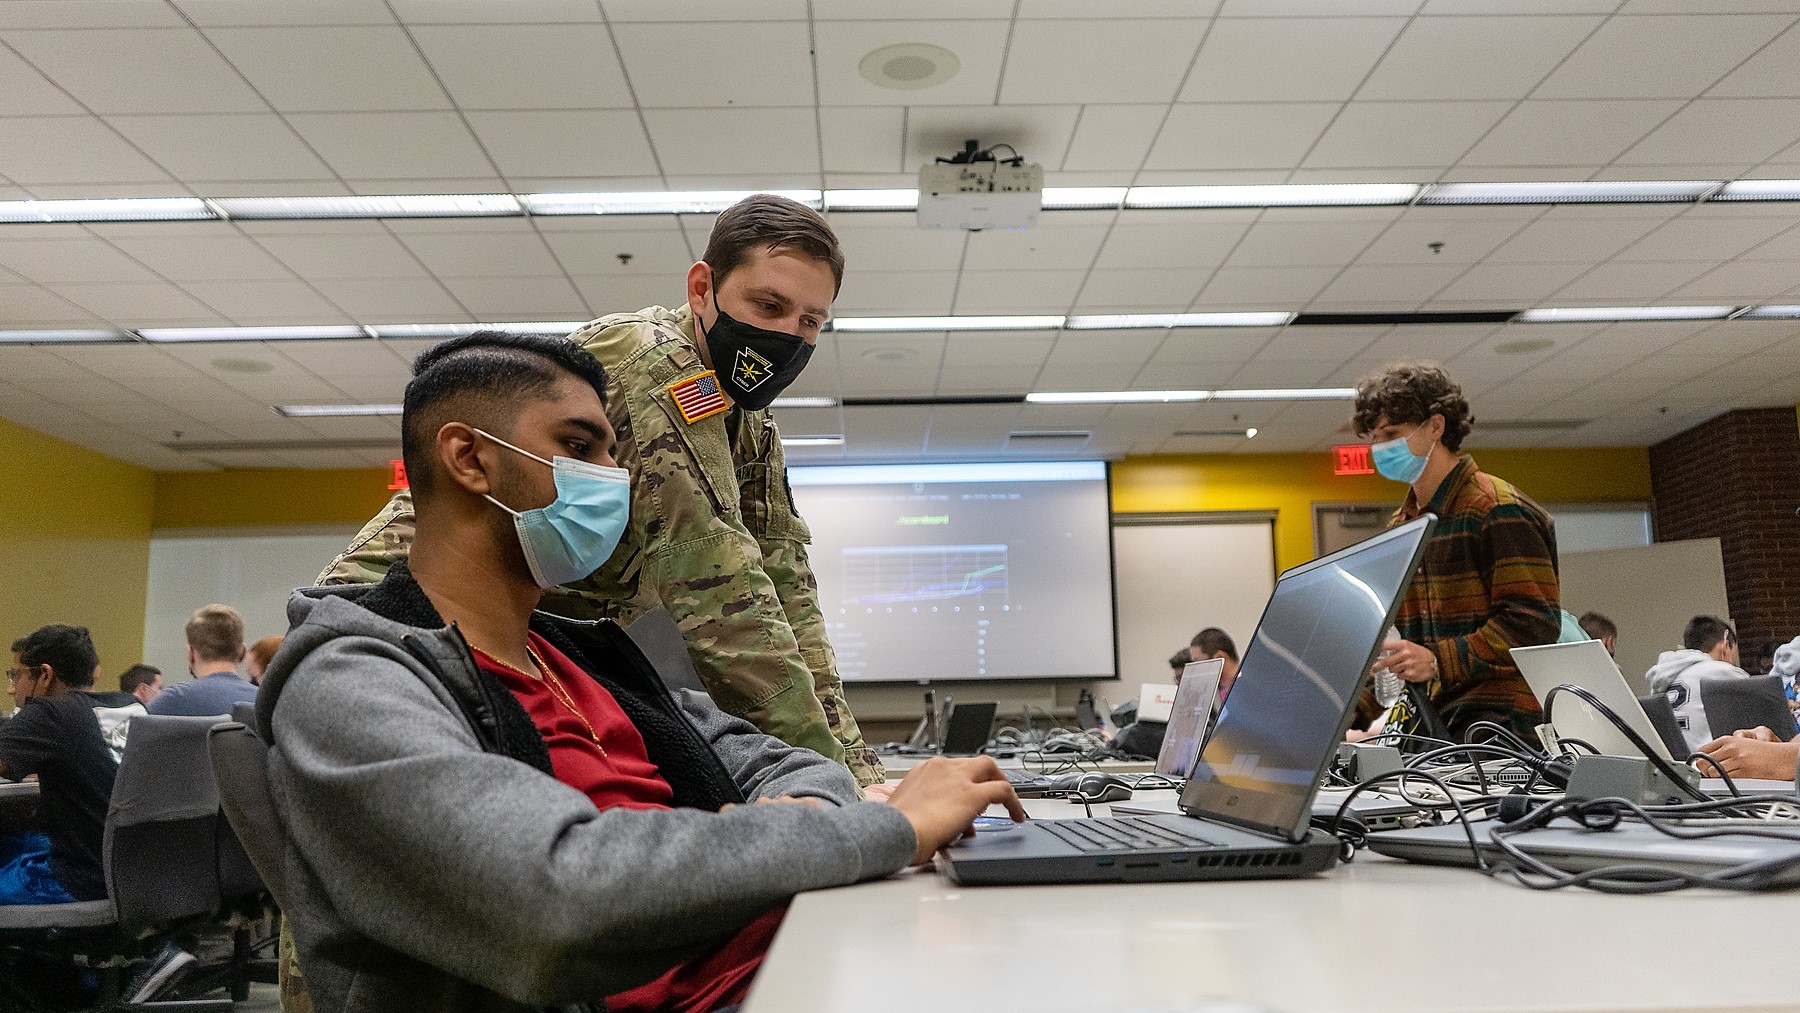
1730 785
1592 749
1630 734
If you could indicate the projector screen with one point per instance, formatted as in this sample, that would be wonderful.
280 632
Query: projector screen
933 572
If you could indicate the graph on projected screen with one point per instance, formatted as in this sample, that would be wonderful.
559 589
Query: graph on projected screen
959 575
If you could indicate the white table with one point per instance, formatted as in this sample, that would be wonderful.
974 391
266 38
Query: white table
898 764
1375 935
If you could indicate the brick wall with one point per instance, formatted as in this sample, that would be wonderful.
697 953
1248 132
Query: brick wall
1737 478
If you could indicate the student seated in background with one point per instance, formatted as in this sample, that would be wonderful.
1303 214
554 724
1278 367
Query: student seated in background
489 807
1753 752
215 637
1487 581
1600 628
1210 643
1709 650
56 736
142 681
256 661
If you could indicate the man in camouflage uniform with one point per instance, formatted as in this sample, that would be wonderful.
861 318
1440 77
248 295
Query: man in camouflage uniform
714 537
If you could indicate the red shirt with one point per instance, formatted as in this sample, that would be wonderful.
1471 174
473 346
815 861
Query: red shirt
621 775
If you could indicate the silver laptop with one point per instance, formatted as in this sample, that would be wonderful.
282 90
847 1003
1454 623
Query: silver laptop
1247 807
1586 664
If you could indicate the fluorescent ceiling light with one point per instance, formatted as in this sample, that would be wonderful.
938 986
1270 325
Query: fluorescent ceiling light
680 202
812 441
871 200
121 209
69 337
421 205
1760 189
320 333
1609 192
312 411
1131 321
1603 314
804 402
1271 195
1770 313
1076 198
971 323
554 328
1287 394
1116 396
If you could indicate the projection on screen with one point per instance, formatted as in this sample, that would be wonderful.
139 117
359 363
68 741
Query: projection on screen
936 572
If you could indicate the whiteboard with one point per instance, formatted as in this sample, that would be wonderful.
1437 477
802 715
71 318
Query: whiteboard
1650 592
1174 580
252 571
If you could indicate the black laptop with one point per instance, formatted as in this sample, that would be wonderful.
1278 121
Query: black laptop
1246 810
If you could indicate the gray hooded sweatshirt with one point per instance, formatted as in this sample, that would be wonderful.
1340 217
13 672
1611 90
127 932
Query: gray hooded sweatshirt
435 865
1679 674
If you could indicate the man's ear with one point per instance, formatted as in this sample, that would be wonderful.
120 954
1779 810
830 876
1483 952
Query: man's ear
699 287
464 457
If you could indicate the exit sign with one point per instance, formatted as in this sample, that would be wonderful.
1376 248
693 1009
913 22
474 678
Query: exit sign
399 481
1352 459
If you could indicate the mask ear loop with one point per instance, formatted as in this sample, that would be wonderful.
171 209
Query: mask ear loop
517 450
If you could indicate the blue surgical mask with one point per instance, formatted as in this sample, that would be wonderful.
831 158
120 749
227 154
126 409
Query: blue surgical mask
1396 460
574 535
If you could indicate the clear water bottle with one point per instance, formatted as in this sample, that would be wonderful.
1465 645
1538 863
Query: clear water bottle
1388 687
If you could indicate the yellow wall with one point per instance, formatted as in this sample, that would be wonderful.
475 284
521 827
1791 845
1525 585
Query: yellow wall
75 544
259 497
1290 484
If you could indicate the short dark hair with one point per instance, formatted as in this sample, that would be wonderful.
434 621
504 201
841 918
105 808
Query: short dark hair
1413 392
1597 626
68 650
765 221
138 675
494 369
1213 640
1703 633
1180 659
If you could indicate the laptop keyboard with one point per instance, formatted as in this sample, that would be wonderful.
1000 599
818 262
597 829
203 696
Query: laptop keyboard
1122 835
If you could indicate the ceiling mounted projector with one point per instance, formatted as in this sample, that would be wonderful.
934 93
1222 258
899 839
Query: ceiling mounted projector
974 190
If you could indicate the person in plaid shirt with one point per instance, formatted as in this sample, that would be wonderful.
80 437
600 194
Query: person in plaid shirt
1487 582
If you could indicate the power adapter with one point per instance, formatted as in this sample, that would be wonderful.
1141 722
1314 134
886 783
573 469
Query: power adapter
1632 778
1359 762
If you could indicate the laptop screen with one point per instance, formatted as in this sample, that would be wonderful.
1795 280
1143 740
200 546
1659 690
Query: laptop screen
1188 720
1297 686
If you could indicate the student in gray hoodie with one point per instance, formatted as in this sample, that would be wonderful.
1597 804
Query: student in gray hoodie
1709 650
491 808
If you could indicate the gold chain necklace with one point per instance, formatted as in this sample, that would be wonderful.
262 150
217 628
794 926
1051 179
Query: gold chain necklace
557 690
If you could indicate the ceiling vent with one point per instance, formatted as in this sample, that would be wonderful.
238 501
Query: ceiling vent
1528 425
1049 439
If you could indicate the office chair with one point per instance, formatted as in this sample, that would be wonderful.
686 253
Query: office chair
158 854
1733 704
1662 718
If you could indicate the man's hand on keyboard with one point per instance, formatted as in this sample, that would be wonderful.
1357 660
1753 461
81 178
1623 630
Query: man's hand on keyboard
942 796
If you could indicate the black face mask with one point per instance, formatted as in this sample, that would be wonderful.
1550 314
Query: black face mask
754 364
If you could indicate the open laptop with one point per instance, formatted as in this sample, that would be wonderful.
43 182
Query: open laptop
968 728
1586 664
1247 806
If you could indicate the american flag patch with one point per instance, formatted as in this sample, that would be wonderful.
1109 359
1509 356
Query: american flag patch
698 397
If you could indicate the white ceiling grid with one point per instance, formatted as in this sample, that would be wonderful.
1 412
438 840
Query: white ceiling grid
329 97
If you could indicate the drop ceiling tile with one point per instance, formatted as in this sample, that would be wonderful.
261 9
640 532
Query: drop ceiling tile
979 47
1271 135
92 14
1632 341
393 145
1145 290
423 12
1731 339
1704 239
722 10
1113 138
1768 74
860 139
393 300
1047 246
553 298
138 70
1424 134
925 10
22 305
1659 56
866 291
251 302
29 92
1434 342
1569 132
1745 129
335 69
1017 291
1132 245
209 13
526 66
1572 240
660 254
345 256
1126 348
779 75
1087 376
70 150
1190 345
1745 281
1410 283
1038 68
1628 284
1282 60
214 258
1520 284
1305 244
1265 287
616 293
879 249
228 147
130 304
1465 241
1263 374
969 352
1039 132
517 252
1475 57
59 261
565 143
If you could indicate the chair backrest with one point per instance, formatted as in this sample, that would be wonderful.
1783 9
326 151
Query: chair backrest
1732 704
240 765
662 642
1662 718
160 841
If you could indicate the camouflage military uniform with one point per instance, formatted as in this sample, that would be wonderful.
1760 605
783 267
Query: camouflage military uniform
714 538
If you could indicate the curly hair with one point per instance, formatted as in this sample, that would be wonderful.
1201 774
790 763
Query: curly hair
1413 392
